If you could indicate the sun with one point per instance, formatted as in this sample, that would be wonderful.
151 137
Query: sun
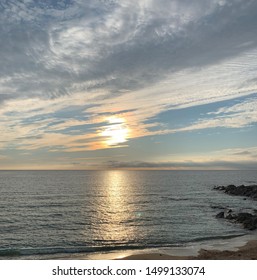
116 132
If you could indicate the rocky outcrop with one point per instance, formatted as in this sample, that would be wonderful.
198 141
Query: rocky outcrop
247 191
248 220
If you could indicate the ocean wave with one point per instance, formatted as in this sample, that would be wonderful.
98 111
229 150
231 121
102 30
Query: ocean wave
221 237
15 253
9 252
18 252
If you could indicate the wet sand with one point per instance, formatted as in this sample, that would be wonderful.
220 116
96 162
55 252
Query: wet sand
246 252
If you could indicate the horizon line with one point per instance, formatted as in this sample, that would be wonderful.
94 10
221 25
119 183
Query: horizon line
128 169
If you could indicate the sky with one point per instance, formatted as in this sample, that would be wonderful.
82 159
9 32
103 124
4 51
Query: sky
129 84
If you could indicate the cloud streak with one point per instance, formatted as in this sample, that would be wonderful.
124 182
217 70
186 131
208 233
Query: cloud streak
67 66
223 159
117 46
237 116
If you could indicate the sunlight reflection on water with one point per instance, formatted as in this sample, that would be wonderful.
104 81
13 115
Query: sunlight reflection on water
116 208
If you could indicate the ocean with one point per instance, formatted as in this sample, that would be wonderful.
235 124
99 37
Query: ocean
58 214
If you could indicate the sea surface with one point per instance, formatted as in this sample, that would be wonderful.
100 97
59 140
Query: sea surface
48 214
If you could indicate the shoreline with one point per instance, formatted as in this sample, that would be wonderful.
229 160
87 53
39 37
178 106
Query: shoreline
246 252
238 248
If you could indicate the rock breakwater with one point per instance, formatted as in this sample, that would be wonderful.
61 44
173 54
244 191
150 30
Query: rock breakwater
247 220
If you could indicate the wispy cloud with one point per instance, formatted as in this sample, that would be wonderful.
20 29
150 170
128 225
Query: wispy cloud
83 46
237 116
67 66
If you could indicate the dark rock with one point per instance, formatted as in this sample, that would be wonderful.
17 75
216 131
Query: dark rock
248 220
244 217
230 217
220 215
218 207
247 191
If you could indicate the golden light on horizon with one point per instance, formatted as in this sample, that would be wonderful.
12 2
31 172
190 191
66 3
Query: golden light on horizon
116 132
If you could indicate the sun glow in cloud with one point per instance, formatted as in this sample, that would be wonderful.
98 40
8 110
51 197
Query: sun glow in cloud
78 79
116 132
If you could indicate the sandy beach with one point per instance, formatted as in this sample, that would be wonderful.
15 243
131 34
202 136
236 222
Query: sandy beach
246 252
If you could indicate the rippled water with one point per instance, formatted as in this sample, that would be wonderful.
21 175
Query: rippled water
50 212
